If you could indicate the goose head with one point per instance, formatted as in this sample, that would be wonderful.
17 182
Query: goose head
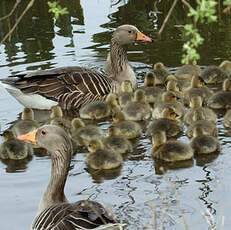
95 145
159 66
169 97
128 34
139 95
196 102
8 135
50 137
56 112
77 123
149 80
169 113
126 87
27 114
197 82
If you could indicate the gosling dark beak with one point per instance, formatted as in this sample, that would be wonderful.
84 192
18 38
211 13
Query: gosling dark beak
140 37
28 137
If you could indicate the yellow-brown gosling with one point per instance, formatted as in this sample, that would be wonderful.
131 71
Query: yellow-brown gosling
197 88
221 99
139 109
160 72
57 118
173 86
170 151
204 144
54 210
226 67
26 124
127 129
195 108
213 75
100 158
116 142
209 127
126 93
169 100
167 123
82 134
97 110
14 149
152 92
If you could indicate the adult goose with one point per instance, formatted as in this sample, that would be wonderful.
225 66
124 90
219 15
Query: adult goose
54 211
72 87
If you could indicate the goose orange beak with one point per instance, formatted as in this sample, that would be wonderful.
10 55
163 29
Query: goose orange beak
142 37
28 137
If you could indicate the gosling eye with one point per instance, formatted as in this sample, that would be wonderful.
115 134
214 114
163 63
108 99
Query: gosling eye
43 133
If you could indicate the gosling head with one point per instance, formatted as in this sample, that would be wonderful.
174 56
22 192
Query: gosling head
8 135
95 145
225 65
197 82
158 66
169 97
56 112
27 114
139 95
77 123
149 79
170 113
196 102
126 87
172 85
52 138
113 131
128 34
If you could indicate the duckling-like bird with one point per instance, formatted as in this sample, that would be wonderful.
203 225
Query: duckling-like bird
169 100
73 87
226 67
82 134
167 123
195 108
14 149
26 123
127 129
204 144
152 92
197 89
101 158
160 72
170 151
126 93
54 211
116 142
97 110
221 99
139 109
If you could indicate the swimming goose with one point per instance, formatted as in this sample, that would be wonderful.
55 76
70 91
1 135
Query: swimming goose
54 210
168 123
97 110
127 129
196 107
116 142
72 87
138 109
221 99
14 149
170 151
101 158
152 92
169 100
126 93
204 144
82 134
26 123
197 88
160 72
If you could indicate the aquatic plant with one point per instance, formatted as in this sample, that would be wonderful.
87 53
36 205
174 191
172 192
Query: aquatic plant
56 9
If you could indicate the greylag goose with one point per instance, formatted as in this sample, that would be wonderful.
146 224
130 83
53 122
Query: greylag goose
72 87
170 151
14 149
26 123
54 211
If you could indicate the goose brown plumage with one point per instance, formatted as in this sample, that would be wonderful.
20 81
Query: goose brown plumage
55 212
73 87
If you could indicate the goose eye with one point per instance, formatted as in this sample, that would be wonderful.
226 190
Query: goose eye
129 31
43 132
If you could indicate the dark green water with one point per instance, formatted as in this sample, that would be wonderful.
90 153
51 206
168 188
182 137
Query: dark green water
197 197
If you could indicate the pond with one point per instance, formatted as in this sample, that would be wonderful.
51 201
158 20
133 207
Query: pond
195 197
